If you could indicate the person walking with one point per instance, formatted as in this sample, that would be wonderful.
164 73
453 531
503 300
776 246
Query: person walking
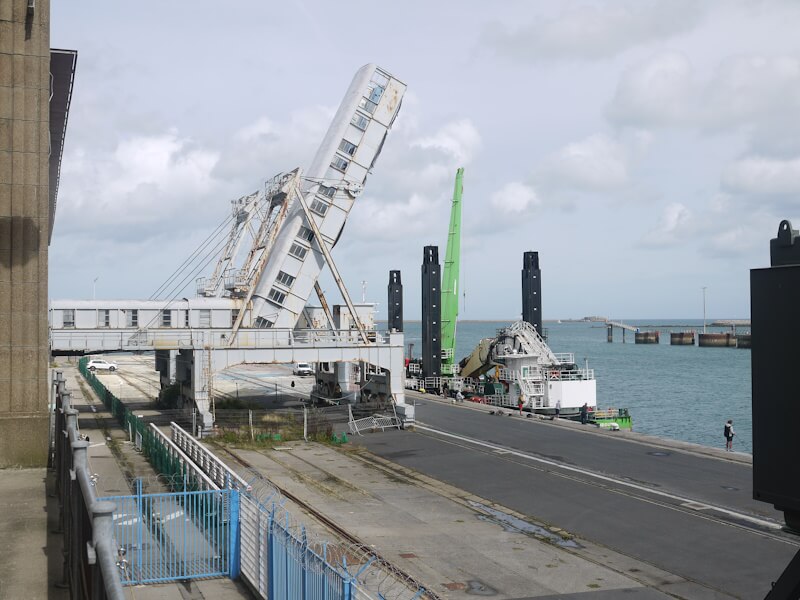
584 413
520 403
729 433
558 407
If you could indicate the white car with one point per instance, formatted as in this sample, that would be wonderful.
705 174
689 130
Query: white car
99 363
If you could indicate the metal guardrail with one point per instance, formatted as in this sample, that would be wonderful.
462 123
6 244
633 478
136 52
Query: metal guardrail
373 422
208 462
91 567
103 338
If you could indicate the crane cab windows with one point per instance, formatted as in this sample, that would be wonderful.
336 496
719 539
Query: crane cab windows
68 317
328 192
360 121
166 318
347 147
276 296
367 105
340 163
298 251
374 92
306 234
133 317
262 323
104 317
319 207
380 78
284 279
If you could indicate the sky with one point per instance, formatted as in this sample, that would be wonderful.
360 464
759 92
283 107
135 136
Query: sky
646 149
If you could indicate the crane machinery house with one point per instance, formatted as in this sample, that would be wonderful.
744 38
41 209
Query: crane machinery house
254 306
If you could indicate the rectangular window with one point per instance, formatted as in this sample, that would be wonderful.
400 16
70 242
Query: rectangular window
319 207
234 316
347 147
374 92
340 163
166 318
360 121
276 296
328 192
186 318
298 251
205 317
284 279
104 317
133 318
380 78
262 323
306 234
69 317
368 106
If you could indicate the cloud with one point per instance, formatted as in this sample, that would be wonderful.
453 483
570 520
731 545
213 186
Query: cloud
587 32
673 227
148 183
414 185
596 163
515 198
458 139
264 148
654 93
763 176
757 94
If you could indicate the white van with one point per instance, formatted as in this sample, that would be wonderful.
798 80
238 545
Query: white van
303 369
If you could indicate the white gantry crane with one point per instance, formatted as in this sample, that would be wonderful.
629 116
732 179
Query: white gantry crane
249 307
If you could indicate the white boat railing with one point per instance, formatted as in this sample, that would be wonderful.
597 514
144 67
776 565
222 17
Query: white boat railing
572 375
565 358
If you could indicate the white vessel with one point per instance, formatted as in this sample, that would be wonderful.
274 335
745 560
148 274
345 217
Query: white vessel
517 364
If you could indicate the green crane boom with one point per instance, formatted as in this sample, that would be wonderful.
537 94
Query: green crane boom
452 264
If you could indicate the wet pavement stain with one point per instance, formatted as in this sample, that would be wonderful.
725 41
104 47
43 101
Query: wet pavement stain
478 588
512 523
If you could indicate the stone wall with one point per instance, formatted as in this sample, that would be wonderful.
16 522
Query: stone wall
24 231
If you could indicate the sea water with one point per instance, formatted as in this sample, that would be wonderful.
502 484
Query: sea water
680 392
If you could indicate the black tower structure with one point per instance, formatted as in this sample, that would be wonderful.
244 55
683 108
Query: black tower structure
395 302
431 313
532 291
775 322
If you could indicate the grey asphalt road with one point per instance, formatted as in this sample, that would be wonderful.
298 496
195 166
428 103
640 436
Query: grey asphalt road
642 506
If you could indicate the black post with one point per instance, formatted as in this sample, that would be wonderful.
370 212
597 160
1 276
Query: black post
395 303
431 313
775 326
532 290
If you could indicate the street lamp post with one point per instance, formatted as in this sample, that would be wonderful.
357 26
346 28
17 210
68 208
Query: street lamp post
704 309
94 287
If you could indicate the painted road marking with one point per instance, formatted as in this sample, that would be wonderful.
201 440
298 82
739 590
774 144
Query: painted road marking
680 499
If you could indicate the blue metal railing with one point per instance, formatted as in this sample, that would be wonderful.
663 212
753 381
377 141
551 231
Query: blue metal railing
177 535
277 564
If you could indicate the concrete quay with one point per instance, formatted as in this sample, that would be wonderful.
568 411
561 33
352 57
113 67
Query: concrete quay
601 515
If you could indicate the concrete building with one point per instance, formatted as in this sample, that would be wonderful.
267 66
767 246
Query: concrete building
35 91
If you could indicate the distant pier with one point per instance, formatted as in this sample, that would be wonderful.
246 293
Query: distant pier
688 337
